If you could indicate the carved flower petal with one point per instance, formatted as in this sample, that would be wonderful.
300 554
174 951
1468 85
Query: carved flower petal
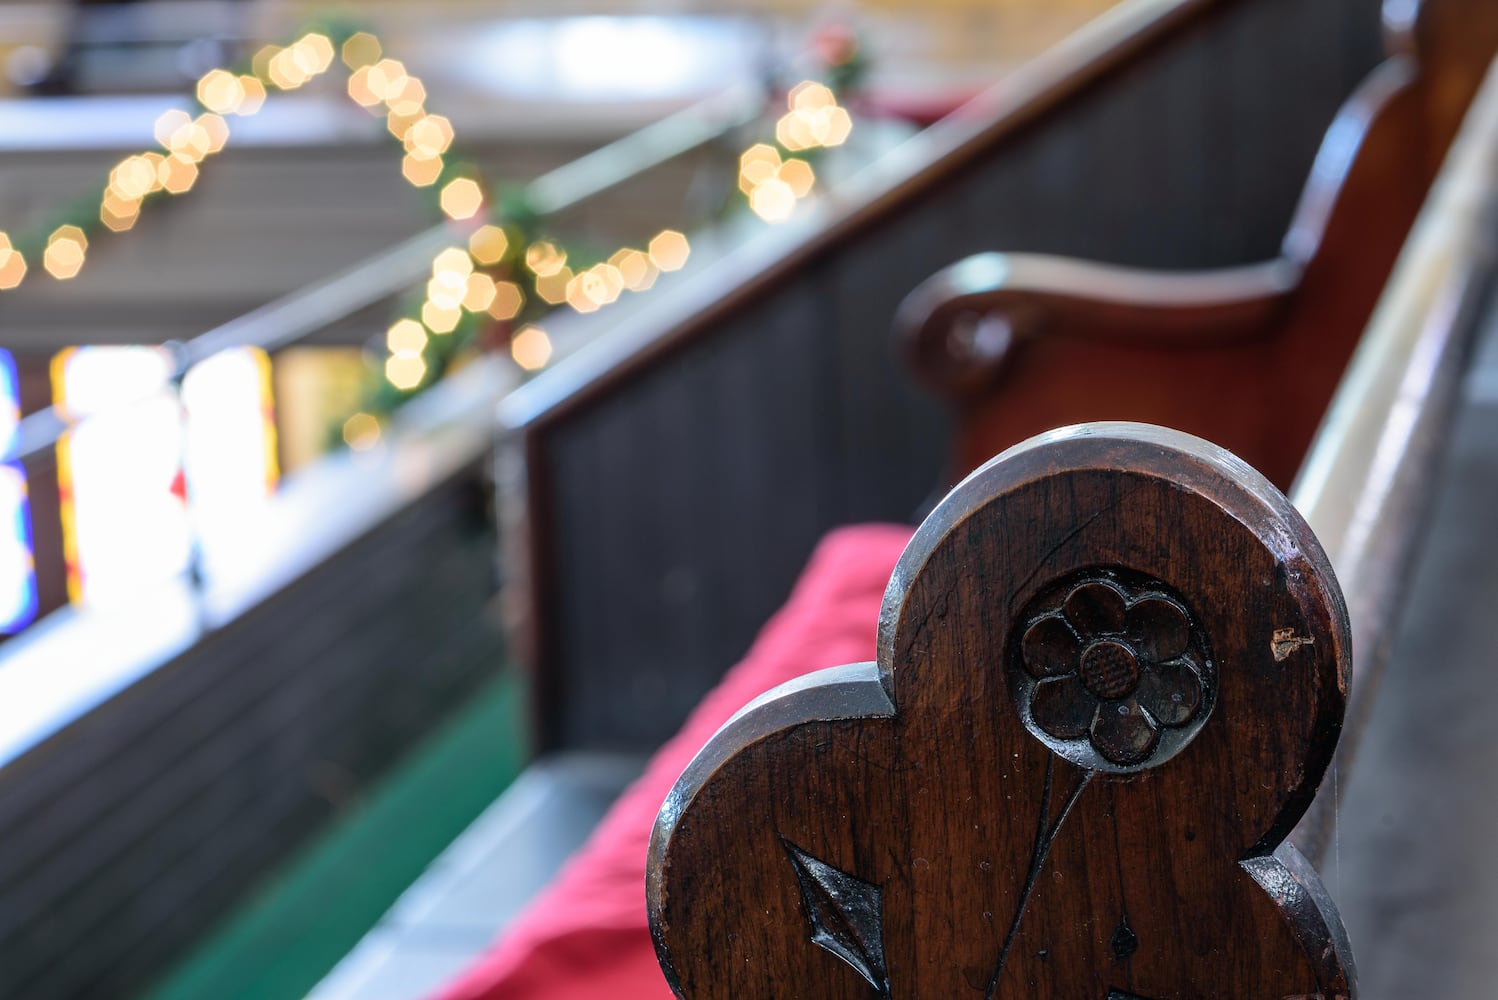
1051 649
1095 607
1158 629
1171 692
1123 733
1063 707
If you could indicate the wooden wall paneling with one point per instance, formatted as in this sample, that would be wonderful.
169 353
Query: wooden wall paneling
669 442
885 425
187 708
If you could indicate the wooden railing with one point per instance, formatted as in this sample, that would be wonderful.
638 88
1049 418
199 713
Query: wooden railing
1369 479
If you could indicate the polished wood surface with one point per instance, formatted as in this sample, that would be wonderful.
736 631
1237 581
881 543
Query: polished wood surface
1115 651
1246 357
1367 484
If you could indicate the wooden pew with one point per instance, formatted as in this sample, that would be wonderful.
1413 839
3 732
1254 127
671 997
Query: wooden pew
934 823
1246 356
1168 134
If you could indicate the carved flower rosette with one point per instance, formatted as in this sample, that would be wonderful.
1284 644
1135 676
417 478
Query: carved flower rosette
1110 671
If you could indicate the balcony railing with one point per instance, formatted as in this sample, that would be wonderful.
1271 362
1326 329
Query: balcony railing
200 528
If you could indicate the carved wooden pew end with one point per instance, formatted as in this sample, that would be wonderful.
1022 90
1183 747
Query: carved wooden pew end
1112 670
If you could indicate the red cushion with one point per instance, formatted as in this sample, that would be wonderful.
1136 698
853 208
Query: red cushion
585 937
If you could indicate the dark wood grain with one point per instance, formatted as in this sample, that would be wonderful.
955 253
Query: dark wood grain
997 857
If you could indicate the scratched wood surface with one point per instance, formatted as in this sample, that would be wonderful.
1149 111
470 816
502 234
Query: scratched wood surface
1112 669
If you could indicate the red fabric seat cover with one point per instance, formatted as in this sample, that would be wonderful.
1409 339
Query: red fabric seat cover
585 937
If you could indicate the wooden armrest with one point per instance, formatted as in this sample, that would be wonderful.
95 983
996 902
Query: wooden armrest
957 327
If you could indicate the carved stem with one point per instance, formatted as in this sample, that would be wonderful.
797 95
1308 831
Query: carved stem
1044 835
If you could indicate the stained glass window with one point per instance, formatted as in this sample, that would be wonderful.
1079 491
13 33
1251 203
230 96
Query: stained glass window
127 520
17 565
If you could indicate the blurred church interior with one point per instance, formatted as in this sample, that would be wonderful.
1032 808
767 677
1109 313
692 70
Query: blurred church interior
411 409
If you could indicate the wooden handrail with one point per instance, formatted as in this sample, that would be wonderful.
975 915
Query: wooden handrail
1367 482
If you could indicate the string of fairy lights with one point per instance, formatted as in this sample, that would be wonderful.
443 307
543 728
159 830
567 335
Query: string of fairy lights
499 273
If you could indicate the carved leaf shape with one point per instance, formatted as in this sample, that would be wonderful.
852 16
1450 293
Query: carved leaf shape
846 913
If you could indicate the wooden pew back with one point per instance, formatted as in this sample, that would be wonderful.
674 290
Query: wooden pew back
1247 357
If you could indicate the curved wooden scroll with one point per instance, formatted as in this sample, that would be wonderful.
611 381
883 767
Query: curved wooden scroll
1112 670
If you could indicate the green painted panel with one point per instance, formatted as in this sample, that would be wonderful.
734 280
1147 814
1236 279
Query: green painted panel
305 920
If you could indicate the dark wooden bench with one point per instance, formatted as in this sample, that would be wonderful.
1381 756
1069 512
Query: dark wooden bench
1114 664
1168 134
1244 356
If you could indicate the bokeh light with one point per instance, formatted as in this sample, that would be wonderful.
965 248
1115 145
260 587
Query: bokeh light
361 431
552 288
531 348
361 49
814 119
359 90
134 178
635 269
216 129
809 95
65 252
508 300
454 260
221 91
440 318
669 250
757 165
578 297
406 336
316 51
479 293
421 172
545 258
12 264
798 175
386 78
445 291
409 100
488 244
260 61
169 124
254 95
773 200
176 174
405 371
461 198
428 137
118 214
